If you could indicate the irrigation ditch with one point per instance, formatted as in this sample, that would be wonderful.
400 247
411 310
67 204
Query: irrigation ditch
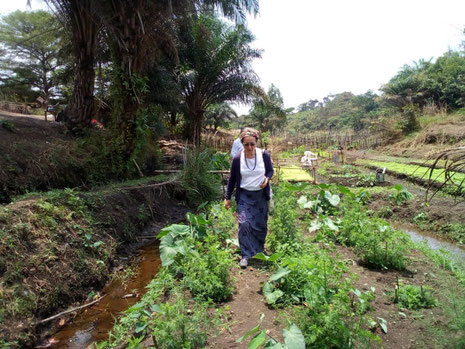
59 249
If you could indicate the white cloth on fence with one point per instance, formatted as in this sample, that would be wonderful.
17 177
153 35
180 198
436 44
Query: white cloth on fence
308 158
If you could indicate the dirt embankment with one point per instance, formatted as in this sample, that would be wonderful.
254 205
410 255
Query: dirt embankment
34 156
59 246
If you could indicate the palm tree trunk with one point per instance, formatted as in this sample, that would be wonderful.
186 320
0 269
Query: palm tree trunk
128 36
84 26
197 128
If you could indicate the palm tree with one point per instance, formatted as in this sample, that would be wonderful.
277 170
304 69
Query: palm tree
217 114
216 68
268 113
77 15
138 30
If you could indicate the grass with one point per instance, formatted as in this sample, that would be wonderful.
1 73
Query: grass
294 173
65 241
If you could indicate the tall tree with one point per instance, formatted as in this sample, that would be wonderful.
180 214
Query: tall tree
78 17
269 114
138 29
32 55
216 67
218 114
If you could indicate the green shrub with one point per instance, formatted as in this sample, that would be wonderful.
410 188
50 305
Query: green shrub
182 324
199 185
414 297
7 125
224 222
384 212
284 234
339 324
312 275
206 274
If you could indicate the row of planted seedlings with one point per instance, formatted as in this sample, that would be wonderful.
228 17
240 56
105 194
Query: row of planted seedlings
315 289
451 183
398 195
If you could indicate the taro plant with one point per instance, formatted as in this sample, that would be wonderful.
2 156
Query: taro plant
401 196
324 203
293 338
221 161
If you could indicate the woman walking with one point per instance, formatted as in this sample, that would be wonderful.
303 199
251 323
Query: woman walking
251 171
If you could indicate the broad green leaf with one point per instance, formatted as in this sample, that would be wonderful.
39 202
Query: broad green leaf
175 229
156 308
323 186
332 199
344 190
314 226
274 257
279 274
234 242
271 295
252 331
310 204
302 201
140 326
136 307
98 243
167 255
382 324
258 340
293 337
371 323
330 224
197 219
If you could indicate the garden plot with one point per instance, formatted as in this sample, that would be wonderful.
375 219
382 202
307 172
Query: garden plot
334 276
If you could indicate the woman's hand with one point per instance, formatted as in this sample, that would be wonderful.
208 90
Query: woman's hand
227 204
265 182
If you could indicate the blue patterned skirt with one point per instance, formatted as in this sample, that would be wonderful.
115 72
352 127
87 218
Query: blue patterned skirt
253 218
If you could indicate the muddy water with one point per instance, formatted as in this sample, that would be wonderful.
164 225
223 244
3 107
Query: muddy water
433 242
94 323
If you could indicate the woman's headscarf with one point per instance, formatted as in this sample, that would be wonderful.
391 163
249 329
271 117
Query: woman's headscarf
249 132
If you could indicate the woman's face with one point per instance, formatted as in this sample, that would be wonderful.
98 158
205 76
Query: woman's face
249 144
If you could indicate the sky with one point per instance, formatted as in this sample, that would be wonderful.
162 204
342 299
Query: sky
313 48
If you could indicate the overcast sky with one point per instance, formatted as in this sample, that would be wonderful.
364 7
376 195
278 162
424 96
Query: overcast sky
316 47
313 48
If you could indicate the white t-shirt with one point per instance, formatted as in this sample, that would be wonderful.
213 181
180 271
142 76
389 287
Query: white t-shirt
236 147
252 171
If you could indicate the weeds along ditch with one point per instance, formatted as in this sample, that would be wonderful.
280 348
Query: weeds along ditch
313 288
58 247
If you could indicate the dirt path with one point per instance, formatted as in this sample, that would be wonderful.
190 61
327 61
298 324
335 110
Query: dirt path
7 114
245 308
